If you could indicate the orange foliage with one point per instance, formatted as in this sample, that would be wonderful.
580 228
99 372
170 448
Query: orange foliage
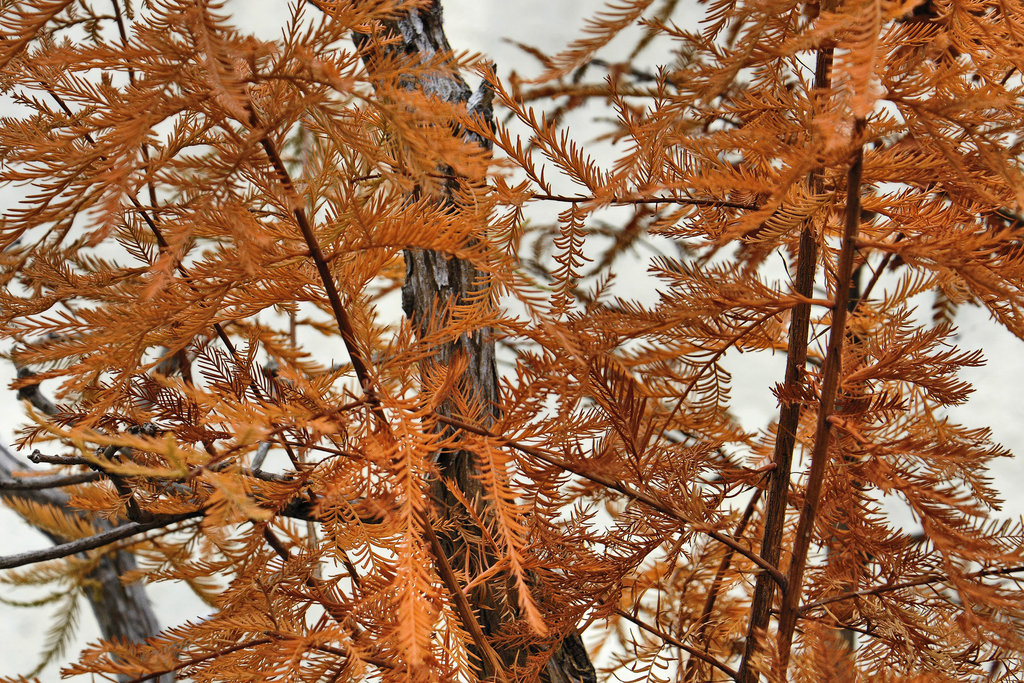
212 234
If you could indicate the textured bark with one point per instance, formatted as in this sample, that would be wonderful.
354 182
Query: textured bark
122 611
434 282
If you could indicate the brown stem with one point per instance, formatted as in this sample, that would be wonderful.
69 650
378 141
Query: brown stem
48 482
37 457
830 385
789 417
669 638
785 442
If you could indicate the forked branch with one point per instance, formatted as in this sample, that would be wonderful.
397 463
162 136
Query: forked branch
830 385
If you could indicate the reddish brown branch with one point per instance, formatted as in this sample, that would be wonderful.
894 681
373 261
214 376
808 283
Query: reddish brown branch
348 335
789 412
829 387
785 442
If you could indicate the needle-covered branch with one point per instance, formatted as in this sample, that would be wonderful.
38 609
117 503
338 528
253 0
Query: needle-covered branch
623 488
213 237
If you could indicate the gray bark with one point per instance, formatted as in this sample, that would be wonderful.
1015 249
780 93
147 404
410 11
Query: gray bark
434 282
122 611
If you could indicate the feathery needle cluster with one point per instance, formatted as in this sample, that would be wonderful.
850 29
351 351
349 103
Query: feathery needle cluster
348 345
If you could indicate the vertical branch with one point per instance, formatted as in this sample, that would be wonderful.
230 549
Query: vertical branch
830 385
785 441
789 413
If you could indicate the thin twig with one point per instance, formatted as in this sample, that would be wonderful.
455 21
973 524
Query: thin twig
37 457
93 542
348 335
376 661
624 489
625 201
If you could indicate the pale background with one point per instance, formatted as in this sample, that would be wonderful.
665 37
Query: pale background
480 26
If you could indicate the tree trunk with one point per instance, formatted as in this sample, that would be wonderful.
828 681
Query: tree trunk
434 283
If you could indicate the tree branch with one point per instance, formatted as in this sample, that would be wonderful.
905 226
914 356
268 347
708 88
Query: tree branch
122 610
919 581
789 411
624 489
492 663
199 660
829 387
669 638
48 482
92 542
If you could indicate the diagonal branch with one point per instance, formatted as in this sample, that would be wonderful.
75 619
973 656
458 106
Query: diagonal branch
95 541
348 334
625 489
669 638
493 665
716 586
122 610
